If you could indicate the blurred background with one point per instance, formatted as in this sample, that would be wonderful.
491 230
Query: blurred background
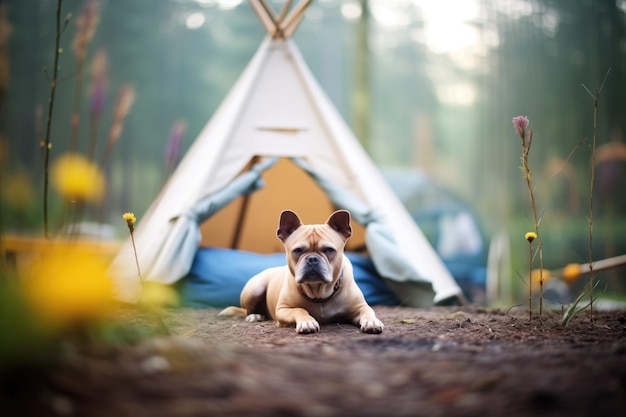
428 86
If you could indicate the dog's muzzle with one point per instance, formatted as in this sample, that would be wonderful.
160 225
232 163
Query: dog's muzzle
313 269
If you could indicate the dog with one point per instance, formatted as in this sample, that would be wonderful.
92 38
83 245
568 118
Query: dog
315 286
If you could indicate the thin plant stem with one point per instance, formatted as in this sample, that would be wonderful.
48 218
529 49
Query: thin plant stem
132 239
520 123
156 312
130 222
596 97
592 180
47 145
540 250
528 177
530 281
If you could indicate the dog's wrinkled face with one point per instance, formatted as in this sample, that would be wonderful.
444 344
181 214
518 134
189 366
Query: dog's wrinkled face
314 252
313 259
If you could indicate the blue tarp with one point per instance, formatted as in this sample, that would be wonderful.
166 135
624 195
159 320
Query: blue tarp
218 275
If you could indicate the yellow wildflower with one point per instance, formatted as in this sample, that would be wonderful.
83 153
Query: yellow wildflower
130 220
68 286
77 178
571 272
129 217
530 236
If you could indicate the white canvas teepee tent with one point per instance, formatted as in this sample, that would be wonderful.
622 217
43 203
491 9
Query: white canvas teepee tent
277 142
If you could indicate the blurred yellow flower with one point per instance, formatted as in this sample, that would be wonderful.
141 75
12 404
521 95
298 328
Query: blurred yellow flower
571 272
68 286
536 275
130 218
77 178
530 236
156 295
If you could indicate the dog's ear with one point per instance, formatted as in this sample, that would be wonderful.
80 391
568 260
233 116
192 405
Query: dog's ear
288 223
340 221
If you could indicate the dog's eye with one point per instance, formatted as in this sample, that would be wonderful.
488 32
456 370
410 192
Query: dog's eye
297 251
329 251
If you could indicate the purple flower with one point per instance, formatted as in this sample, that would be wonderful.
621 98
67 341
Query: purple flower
521 124
98 98
174 143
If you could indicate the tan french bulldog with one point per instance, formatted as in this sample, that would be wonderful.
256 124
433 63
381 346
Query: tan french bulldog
316 286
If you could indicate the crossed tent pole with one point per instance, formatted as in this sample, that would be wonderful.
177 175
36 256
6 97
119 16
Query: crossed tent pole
280 25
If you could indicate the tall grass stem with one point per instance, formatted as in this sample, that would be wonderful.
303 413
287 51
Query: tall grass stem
47 145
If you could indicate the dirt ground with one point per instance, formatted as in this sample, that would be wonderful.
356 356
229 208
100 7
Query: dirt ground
437 362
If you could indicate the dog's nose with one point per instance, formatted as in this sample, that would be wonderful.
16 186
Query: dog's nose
312 260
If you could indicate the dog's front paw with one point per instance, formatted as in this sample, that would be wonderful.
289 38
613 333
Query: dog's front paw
372 325
306 327
251 318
